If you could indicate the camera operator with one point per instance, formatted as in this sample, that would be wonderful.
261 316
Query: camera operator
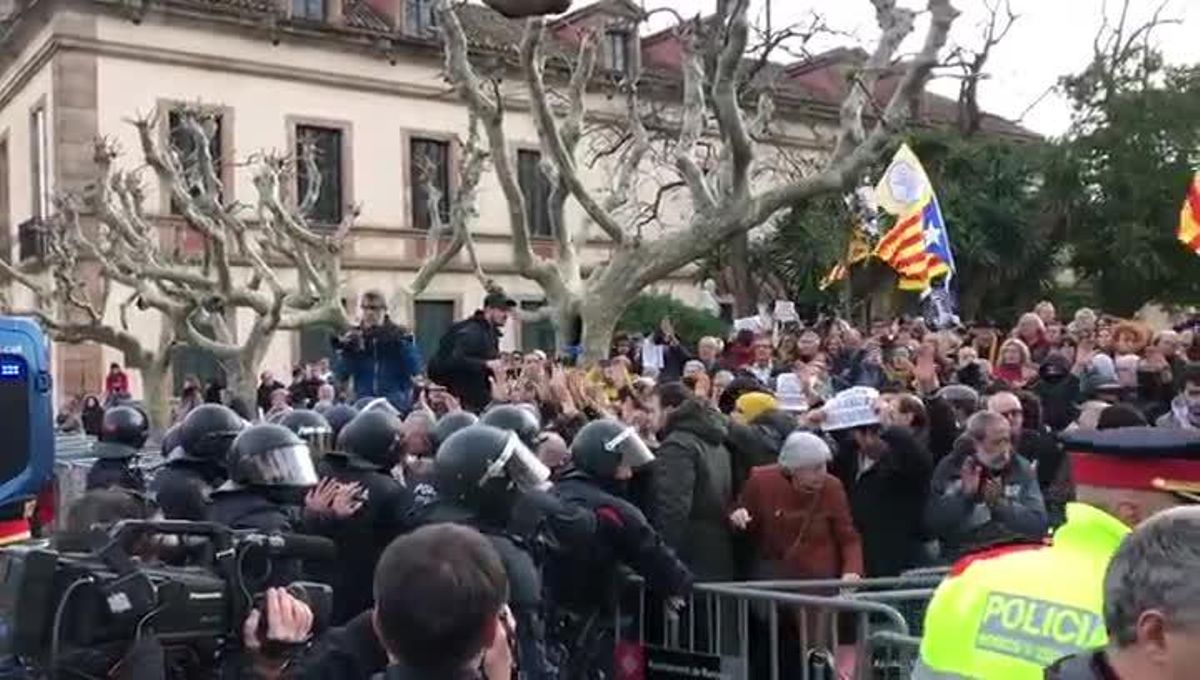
195 450
379 357
122 436
439 614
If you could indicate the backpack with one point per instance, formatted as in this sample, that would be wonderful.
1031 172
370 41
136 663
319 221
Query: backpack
440 368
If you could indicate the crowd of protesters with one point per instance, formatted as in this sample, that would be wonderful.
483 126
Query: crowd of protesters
794 451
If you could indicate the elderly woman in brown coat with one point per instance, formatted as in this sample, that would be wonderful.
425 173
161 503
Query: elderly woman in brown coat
800 519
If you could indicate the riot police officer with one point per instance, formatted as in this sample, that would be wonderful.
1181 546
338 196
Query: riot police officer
418 471
449 424
270 469
541 519
313 428
195 451
479 473
122 435
367 450
519 418
338 416
585 581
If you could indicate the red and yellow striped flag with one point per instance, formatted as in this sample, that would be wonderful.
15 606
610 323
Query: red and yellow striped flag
1189 218
857 250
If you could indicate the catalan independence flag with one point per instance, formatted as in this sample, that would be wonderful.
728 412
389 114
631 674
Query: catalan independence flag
918 246
1189 218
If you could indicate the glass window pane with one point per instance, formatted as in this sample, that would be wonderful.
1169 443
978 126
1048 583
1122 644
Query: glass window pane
429 162
327 144
183 143
536 188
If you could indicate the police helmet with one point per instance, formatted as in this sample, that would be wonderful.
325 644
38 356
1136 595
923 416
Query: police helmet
206 433
372 441
379 404
520 419
270 455
449 424
312 427
602 446
481 463
125 425
171 440
339 416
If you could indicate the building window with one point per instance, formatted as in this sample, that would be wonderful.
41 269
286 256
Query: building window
184 146
39 135
536 188
327 148
313 10
618 43
419 19
429 162
537 334
432 318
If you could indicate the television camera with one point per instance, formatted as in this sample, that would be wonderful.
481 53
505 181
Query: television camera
86 607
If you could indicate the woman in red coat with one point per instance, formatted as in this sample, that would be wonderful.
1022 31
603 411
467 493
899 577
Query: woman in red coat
800 519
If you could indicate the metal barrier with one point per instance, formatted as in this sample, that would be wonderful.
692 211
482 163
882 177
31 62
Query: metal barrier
767 630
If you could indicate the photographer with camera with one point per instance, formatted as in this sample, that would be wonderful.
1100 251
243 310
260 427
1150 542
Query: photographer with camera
379 357
439 614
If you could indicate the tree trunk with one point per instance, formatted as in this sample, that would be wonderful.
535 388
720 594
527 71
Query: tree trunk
745 297
156 395
241 380
600 316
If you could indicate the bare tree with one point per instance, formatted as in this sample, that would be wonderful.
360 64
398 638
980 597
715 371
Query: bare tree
971 63
714 165
102 238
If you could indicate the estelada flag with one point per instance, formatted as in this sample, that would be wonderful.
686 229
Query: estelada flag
918 246
857 250
1189 218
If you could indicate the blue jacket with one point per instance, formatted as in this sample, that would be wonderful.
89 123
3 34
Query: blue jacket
382 364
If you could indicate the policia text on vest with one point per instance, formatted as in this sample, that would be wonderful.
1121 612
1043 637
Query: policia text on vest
1036 630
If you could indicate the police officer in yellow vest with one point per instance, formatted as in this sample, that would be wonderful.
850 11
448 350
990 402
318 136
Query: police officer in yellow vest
1006 614
1009 613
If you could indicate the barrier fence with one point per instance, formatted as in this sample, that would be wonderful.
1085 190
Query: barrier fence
767 630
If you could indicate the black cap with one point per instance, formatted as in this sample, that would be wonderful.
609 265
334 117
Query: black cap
498 300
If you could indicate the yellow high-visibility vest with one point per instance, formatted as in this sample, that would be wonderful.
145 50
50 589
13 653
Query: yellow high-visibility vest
1008 617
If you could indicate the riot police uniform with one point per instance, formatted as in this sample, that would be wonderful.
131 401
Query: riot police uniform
270 470
122 436
421 485
366 451
479 474
313 428
586 581
195 451
541 519
522 419
338 416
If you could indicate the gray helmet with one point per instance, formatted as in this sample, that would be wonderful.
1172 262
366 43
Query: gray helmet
484 466
371 441
270 455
